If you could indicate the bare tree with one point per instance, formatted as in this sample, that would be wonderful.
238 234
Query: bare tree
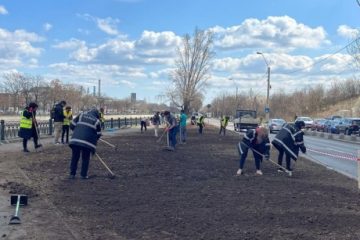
192 68
13 85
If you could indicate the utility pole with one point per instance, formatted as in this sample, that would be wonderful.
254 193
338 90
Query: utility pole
267 111
267 107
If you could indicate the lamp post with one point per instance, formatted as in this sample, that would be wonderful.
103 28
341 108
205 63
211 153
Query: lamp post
267 108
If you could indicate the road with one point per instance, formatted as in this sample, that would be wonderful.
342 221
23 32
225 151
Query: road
340 156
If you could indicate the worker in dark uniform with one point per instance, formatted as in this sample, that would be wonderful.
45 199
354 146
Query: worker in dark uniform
289 140
86 132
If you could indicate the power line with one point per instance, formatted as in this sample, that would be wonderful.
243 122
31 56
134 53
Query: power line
326 58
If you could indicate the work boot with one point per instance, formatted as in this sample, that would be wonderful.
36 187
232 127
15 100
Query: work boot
259 172
84 177
71 176
239 172
38 146
26 150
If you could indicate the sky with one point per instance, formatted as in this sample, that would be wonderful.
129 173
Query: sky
131 44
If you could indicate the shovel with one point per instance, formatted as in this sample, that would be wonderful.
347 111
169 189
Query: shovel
17 200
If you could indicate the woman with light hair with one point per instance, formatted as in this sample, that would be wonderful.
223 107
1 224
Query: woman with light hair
258 141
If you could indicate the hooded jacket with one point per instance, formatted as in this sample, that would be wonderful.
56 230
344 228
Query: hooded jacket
290 139
87 130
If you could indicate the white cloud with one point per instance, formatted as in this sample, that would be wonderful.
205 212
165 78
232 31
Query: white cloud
16 47
156 48
273 32
70 44
347 32
128 83
3 10
335 63
108 25
47 26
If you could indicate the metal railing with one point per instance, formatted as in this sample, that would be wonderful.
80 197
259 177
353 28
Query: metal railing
9 130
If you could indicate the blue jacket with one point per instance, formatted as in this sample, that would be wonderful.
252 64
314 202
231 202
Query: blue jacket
59 113
87 130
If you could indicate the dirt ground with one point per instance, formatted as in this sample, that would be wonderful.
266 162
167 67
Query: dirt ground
191 193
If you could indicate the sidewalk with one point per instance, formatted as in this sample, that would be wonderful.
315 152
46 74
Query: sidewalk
48 140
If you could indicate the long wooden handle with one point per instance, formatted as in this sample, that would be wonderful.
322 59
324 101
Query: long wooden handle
97 155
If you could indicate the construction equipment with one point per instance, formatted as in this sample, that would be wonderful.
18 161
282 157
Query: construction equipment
111 174
18 200
245 119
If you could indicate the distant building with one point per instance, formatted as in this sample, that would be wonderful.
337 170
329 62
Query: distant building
133 98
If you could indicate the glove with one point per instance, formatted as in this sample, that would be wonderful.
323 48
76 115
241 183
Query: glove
303 149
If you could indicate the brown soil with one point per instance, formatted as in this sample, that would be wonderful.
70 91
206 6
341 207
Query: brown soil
191 193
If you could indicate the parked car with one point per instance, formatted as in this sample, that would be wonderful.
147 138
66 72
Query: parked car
348 126
331 126
318 124
308 121
321 125
333 117
327 126
276 124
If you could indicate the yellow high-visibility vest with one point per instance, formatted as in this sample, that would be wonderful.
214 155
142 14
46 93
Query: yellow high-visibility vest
25 122
102 117
67 117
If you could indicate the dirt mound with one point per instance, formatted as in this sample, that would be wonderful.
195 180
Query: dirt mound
191 193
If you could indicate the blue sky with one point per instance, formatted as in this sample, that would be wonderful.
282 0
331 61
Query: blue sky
130 44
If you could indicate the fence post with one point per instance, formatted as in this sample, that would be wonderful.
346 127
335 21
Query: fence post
2 130
111 123
119 124
358 167
50 127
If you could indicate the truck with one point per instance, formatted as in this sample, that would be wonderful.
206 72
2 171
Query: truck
245 119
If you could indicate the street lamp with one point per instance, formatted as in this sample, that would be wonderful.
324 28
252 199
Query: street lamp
267 108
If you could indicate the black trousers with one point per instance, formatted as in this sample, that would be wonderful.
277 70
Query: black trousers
201 128
143 125
85 158
287 157
65 130
222 129
35 138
